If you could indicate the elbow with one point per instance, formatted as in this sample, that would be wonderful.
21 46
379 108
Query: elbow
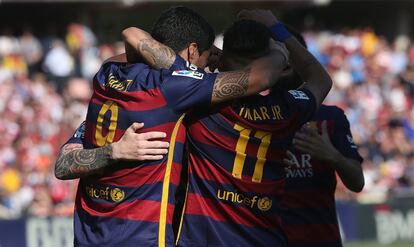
127 33
358 186
130 33
60 175
328 84
259 82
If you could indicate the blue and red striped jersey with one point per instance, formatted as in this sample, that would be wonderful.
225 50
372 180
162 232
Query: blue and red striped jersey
309 212
131 203
236 176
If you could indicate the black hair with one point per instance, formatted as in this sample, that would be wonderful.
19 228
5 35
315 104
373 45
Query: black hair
179 26
247 39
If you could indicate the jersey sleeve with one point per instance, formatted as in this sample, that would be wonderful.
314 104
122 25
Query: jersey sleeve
79 136
303 101
342 138
185 89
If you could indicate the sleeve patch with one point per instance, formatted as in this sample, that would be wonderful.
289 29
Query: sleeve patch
351 141
189 73
299 94
80 131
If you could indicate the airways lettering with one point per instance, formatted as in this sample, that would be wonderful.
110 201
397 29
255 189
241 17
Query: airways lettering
301 168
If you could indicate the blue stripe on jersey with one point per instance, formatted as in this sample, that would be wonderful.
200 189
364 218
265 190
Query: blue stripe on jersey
209 189
133 233
208 232
272 169
151 118
320 181
142 76
144 192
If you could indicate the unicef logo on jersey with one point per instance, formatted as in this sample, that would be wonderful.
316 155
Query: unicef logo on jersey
263 204
105 193
117 195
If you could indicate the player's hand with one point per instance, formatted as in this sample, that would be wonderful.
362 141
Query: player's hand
265 17
289 161
138 146
214 59
279 46
309 141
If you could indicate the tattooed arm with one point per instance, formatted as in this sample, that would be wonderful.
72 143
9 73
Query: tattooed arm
261 74
75 162
140 45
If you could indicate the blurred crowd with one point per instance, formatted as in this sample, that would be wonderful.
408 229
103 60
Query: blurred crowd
374 85
45 85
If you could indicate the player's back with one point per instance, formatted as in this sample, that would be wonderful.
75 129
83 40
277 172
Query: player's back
309 212
133 202
236 175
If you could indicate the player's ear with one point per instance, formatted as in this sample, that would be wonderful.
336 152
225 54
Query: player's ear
193 53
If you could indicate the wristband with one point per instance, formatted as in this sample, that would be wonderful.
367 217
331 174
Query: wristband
279 32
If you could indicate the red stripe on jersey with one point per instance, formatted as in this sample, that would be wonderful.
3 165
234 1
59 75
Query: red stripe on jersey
200 133
208 171
133 101
312 233
308 199
144 210
138 176
198 205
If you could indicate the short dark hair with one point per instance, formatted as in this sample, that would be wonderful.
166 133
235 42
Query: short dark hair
179 26
247 39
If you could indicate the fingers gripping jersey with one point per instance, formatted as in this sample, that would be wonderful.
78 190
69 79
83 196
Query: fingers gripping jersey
235 173
131 202
309 212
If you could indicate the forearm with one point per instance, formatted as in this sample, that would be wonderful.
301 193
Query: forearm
140 44
76 162
265 71
349 170
261 74
316 78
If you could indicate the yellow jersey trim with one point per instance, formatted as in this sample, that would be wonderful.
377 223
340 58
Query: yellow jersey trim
166 185
182 215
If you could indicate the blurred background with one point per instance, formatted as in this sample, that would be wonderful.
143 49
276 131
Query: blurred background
50 50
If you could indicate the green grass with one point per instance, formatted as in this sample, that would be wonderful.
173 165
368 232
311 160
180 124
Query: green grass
373 244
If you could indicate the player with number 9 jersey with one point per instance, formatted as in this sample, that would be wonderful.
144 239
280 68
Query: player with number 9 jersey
131 202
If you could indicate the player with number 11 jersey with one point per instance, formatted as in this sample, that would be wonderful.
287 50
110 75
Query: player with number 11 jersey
236 174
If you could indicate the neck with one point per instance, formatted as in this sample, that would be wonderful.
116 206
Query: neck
234 64
184 54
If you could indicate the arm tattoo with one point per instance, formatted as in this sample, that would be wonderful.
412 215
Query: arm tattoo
158 55
75 162
231 85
